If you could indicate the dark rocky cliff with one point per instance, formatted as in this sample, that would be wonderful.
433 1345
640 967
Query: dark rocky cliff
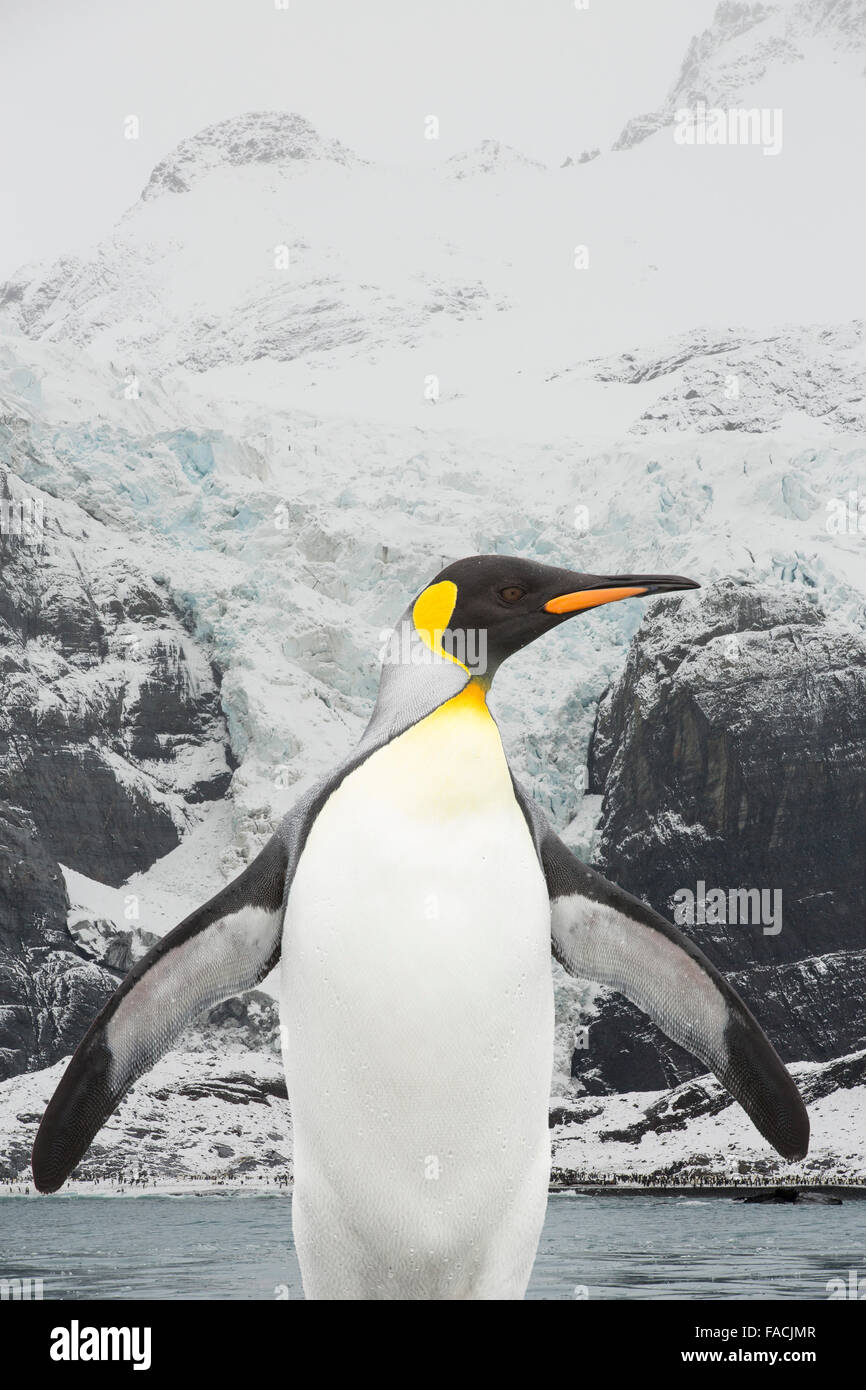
732 753
110 734
49 990
109 718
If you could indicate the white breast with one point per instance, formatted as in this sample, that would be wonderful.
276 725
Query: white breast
417 1004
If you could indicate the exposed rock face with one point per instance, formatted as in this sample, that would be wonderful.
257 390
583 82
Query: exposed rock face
688 1102
258 137
102 941
251 1020
744 381
743 43
110 733
245 1021
221 1116
109 716
53 981
732 753
49 990
489 157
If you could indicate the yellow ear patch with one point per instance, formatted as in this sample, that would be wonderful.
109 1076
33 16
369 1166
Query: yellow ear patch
431 615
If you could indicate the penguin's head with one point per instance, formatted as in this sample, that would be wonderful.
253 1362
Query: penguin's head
481 610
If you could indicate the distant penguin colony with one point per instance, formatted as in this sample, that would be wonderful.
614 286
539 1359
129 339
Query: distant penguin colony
415 895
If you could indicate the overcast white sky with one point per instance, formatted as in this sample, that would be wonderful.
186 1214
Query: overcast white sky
539 74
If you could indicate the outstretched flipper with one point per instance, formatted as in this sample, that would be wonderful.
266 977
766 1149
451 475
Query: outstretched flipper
602 933
227 946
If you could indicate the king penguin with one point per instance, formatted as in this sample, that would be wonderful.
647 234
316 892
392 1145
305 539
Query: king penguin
414 896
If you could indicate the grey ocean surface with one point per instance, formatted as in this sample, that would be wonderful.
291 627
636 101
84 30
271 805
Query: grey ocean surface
239 1246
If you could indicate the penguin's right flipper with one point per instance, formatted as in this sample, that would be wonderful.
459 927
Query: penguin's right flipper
599 932
227 946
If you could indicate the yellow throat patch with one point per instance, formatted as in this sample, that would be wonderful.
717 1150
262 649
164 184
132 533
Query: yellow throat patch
448 764
452 761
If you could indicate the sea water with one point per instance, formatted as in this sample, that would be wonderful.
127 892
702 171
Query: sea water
612 1246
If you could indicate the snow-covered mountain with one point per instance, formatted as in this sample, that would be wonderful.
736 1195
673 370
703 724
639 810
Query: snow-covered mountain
748 45
266 262
490 157
260 137
291 384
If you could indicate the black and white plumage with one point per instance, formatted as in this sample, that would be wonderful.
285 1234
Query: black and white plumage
415 894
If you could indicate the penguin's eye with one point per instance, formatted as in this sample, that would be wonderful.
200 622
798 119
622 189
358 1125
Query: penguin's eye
511 593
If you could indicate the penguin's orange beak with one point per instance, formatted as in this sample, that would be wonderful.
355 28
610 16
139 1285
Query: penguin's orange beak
599 591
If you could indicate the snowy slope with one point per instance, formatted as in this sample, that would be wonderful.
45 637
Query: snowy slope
225 1117
267 263
752 44
292 560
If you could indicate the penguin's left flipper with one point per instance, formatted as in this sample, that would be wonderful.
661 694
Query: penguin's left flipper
227 946
601 933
